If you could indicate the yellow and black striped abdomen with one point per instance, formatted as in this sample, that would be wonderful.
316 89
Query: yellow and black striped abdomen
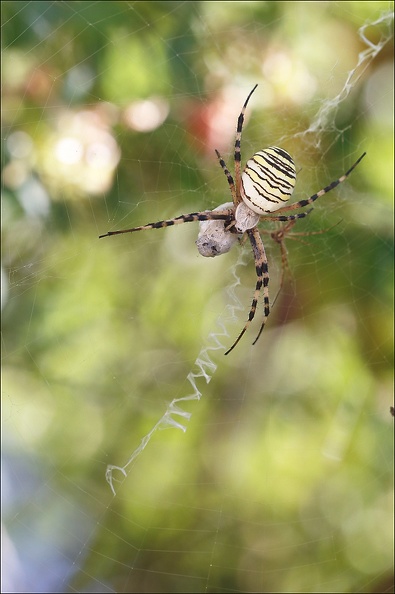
268 180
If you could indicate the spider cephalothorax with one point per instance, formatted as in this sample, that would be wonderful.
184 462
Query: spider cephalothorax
264 187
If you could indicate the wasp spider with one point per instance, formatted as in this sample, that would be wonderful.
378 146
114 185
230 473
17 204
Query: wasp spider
265 186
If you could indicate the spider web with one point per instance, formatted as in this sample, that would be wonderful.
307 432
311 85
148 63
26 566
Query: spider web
275 474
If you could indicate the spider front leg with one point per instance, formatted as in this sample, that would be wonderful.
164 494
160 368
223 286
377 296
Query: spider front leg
207 215
235 188
262 273
239 129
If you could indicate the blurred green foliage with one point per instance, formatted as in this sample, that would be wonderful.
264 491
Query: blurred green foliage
282 481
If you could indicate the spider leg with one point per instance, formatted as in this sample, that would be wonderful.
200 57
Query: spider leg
279 237
295 236
284 218
228 176
207 215
262 281
239 129
325 190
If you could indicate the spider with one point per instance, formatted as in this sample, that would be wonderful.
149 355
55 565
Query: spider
265 186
